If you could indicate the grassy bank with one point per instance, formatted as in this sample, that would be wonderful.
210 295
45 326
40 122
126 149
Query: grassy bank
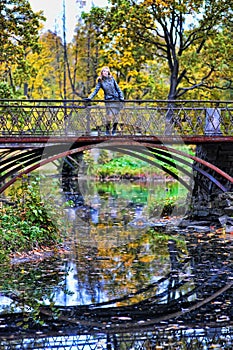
28 223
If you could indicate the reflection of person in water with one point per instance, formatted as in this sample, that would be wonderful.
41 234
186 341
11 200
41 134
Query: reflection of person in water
113 206
95 216
95 207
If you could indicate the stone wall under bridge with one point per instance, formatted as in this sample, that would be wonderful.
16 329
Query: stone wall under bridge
208 201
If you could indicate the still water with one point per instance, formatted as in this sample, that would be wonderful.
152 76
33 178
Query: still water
128 276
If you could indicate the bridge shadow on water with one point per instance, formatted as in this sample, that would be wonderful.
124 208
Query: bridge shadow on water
167 288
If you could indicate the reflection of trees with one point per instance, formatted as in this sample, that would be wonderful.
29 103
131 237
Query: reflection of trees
110 203
105 203
121 261
194 294
210 260
176 268
122 270
200 295
28 285
128 281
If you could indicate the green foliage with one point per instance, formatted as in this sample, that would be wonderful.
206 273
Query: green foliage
169 202
19 34
5 90
122 167
126 166
172 39
28 223
113 164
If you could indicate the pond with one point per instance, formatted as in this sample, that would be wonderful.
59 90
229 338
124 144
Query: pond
129 276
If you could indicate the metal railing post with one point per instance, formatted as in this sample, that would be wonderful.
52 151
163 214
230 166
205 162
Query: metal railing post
88 119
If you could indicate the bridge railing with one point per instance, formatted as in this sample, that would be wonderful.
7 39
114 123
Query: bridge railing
144 117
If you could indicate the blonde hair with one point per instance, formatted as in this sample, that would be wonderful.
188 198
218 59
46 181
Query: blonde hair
101 73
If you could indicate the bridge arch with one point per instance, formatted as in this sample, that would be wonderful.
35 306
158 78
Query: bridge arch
31 160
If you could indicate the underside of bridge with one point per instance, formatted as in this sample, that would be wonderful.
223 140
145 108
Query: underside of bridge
213 203
206 175
14 163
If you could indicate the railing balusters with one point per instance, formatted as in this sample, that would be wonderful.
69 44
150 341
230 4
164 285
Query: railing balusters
73 117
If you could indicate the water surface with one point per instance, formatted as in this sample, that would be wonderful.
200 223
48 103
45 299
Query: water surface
126 265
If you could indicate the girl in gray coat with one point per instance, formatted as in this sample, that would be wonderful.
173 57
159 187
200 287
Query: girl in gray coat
112 92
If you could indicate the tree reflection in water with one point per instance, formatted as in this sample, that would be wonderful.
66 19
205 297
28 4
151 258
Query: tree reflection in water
126 281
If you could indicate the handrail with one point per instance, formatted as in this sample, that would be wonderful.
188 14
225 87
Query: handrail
135 101
144 117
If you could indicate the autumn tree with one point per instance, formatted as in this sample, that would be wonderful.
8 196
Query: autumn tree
219 84
129 61
47 67
126 59
82 60
45 80
177 32
19 34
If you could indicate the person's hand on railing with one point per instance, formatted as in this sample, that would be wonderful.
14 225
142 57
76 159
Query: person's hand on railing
87 101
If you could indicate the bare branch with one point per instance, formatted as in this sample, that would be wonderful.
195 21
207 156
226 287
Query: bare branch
183 90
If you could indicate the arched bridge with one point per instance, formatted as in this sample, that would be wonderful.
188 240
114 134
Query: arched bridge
33 133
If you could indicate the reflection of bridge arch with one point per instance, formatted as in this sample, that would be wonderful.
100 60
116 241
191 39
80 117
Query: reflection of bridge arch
23 162
146 314
195 297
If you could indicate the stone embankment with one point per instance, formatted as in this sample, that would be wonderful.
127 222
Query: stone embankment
219 211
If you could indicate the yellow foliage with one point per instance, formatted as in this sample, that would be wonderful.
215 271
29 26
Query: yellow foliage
147 258
159 3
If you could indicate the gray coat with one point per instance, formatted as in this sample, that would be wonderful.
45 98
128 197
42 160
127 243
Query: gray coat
111 89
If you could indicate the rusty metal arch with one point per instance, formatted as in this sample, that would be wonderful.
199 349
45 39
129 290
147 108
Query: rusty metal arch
154 163
14 164
115 143
178 167
24 162
13 161
183 154
182 161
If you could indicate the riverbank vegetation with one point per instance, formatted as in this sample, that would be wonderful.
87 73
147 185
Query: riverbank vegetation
105 165
110 167
28 223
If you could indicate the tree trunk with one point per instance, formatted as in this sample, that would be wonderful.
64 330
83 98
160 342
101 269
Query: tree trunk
169 124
